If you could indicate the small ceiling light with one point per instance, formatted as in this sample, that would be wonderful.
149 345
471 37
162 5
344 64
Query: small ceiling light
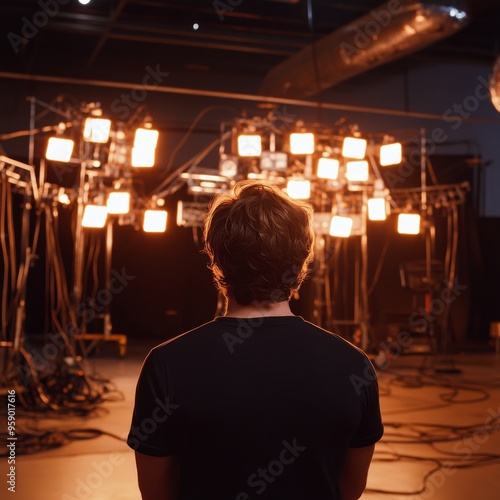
409 223
62 197
84 2
118 202
302 143
328 168
299 189
391 154
357 171
94 216
341 226
96 130
353 147
249 145
143 152
377 209
196 26
155 221
59 149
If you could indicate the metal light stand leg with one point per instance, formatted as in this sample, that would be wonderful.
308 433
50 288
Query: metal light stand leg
107 334
364 317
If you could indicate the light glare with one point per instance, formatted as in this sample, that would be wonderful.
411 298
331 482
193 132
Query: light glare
377 209
357 171
353 147
409 223
146 138
59 149
299 189
155 221
143 158
302 143
94 216
249 145
118 202
328 168
341 226
96 130
390 154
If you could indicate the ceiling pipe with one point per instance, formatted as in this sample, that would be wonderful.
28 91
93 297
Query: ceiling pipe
388 32
234 96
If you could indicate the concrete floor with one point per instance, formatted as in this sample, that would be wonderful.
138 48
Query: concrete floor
103 468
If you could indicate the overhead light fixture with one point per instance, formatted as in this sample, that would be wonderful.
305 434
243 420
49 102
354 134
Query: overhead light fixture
302 143
59 149
118 202
357 171
96 130
377 209
94 216
143 152
249 145
62 197
328 168
228 166
155 221
275 161
352 147
341 226
409 224
299 189
391 154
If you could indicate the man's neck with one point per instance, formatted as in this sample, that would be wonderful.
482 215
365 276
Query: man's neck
257 309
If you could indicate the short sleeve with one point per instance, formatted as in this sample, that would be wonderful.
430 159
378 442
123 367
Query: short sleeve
151 431
370 429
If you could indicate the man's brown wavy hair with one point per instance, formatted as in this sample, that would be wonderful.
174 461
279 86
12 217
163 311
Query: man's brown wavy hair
259 241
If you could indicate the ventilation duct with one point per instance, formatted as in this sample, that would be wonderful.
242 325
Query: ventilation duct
388 32
495 85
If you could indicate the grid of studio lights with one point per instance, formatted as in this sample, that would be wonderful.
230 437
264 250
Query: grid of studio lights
116 201
351 164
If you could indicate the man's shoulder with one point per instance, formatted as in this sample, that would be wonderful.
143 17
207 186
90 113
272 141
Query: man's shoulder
184 339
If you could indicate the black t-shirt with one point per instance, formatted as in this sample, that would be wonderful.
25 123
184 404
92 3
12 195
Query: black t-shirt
256 408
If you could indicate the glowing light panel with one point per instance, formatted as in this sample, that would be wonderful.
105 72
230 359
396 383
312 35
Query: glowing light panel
341 226
59 149
409 223
353 147
96 130
299 189
155 221
391 154
328 168
302 143
249 145
94 216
